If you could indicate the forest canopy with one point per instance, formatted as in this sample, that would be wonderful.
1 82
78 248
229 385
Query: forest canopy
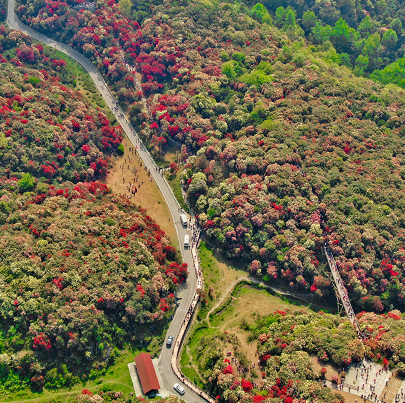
82 272
284 148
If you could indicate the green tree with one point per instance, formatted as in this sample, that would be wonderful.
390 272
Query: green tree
389 39
27 182
345 60
343 36
281 13
396 25
136 113
308 21
393 73
260 13
120 149
239 57
228 68
361 65
125 7
290 18
321 34
367 26
372 50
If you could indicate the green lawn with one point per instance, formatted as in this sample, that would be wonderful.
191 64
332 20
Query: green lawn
210 265
191 374
174 182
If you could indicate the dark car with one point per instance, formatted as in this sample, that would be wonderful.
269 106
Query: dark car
169 341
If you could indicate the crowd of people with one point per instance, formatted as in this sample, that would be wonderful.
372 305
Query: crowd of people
369 381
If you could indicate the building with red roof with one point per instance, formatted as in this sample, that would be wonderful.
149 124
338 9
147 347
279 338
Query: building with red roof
146 372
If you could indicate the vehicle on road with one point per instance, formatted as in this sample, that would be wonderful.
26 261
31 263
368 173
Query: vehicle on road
169 341
179 389
186 241
14 23
183 219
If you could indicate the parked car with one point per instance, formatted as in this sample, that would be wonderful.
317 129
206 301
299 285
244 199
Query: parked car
183 219
169 341
179 389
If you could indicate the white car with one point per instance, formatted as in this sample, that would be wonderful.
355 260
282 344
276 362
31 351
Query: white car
169 341
179 389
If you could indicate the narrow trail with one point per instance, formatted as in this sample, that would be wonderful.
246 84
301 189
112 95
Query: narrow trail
258 282
138 85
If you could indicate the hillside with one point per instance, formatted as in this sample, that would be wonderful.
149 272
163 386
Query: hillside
82 272
279 138
287 343
47 130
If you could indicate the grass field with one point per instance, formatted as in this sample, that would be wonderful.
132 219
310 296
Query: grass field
218 275
233 307
174 182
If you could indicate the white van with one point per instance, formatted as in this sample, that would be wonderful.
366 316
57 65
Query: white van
183 219
186 241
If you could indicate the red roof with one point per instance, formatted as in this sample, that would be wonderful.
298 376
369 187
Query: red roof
146 372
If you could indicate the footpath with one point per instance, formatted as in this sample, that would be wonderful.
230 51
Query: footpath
188 318
372 382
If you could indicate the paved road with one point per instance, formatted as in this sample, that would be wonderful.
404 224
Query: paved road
188 291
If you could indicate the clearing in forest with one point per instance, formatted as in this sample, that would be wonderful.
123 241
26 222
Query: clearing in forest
148 195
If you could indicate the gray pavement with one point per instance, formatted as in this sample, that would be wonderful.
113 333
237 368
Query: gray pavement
366 379
188 290
135 379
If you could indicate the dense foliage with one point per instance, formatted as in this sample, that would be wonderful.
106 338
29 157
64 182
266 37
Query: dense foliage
279 138
46 129
87 396
283 139
101 36
367 34
286 343
82 272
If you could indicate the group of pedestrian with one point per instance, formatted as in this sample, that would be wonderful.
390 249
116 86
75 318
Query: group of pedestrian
400 396
366 382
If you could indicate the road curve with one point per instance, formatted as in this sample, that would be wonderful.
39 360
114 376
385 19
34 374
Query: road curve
188 292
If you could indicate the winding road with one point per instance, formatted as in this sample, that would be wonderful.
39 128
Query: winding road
189 289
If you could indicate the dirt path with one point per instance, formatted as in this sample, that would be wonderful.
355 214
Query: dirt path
225 295
254 281
147 196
